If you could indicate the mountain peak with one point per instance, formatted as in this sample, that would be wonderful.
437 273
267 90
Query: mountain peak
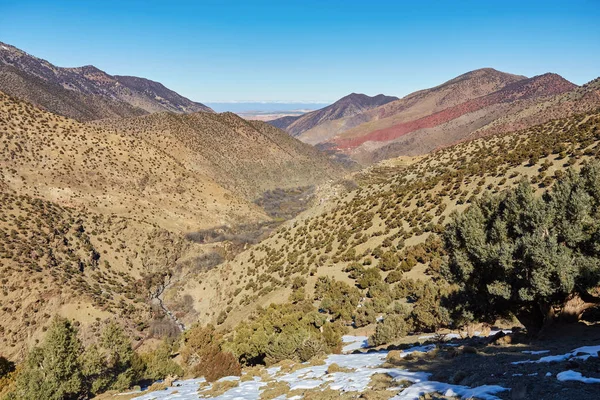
349 105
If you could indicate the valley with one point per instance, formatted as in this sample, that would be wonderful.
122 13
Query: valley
440 244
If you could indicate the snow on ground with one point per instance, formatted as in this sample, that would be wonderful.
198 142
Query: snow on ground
485 392
187 389
575 376
355 343
581 353
361 367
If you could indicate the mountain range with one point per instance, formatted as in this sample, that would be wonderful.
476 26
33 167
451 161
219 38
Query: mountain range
477 103
85 93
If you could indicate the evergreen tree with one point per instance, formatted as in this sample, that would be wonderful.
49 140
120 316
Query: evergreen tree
112 363
526 255
52 371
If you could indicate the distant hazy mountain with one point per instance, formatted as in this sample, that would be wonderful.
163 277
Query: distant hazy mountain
85 93
345 107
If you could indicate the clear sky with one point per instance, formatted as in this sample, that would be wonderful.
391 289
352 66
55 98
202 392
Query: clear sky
214 51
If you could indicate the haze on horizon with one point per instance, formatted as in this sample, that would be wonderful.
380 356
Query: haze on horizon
284 52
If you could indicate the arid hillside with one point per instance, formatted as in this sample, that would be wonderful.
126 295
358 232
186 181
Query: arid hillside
247 157
104 170
85 93
420 136
415 105
382 236
348 106
56 99
96 221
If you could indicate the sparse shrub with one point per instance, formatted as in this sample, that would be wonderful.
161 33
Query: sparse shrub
389 261
393 277
370 277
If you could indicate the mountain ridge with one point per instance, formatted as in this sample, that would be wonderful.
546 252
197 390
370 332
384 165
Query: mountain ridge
351 104
144 95
418 104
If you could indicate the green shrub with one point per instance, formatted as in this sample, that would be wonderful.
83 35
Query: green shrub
427 314
393 277
364 316
340 300
391 328
389 261
160 364
203 355
370 277
284 331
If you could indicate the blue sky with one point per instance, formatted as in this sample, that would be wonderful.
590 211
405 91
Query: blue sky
214 51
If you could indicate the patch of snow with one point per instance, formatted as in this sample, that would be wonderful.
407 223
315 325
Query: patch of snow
361 368
575 376
187 389
485 392
505 331
581 353
229 379
450 336
4 48
355 343
245 390
548 373
534 352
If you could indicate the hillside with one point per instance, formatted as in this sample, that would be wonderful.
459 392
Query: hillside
92 224
415 105
107 171
247 157
353 104
95 222
367 237
422 135
95 94
56 99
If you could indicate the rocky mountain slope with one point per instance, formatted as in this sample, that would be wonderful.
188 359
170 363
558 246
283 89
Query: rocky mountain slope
354 103
95 94
247 157
62 101
415 105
